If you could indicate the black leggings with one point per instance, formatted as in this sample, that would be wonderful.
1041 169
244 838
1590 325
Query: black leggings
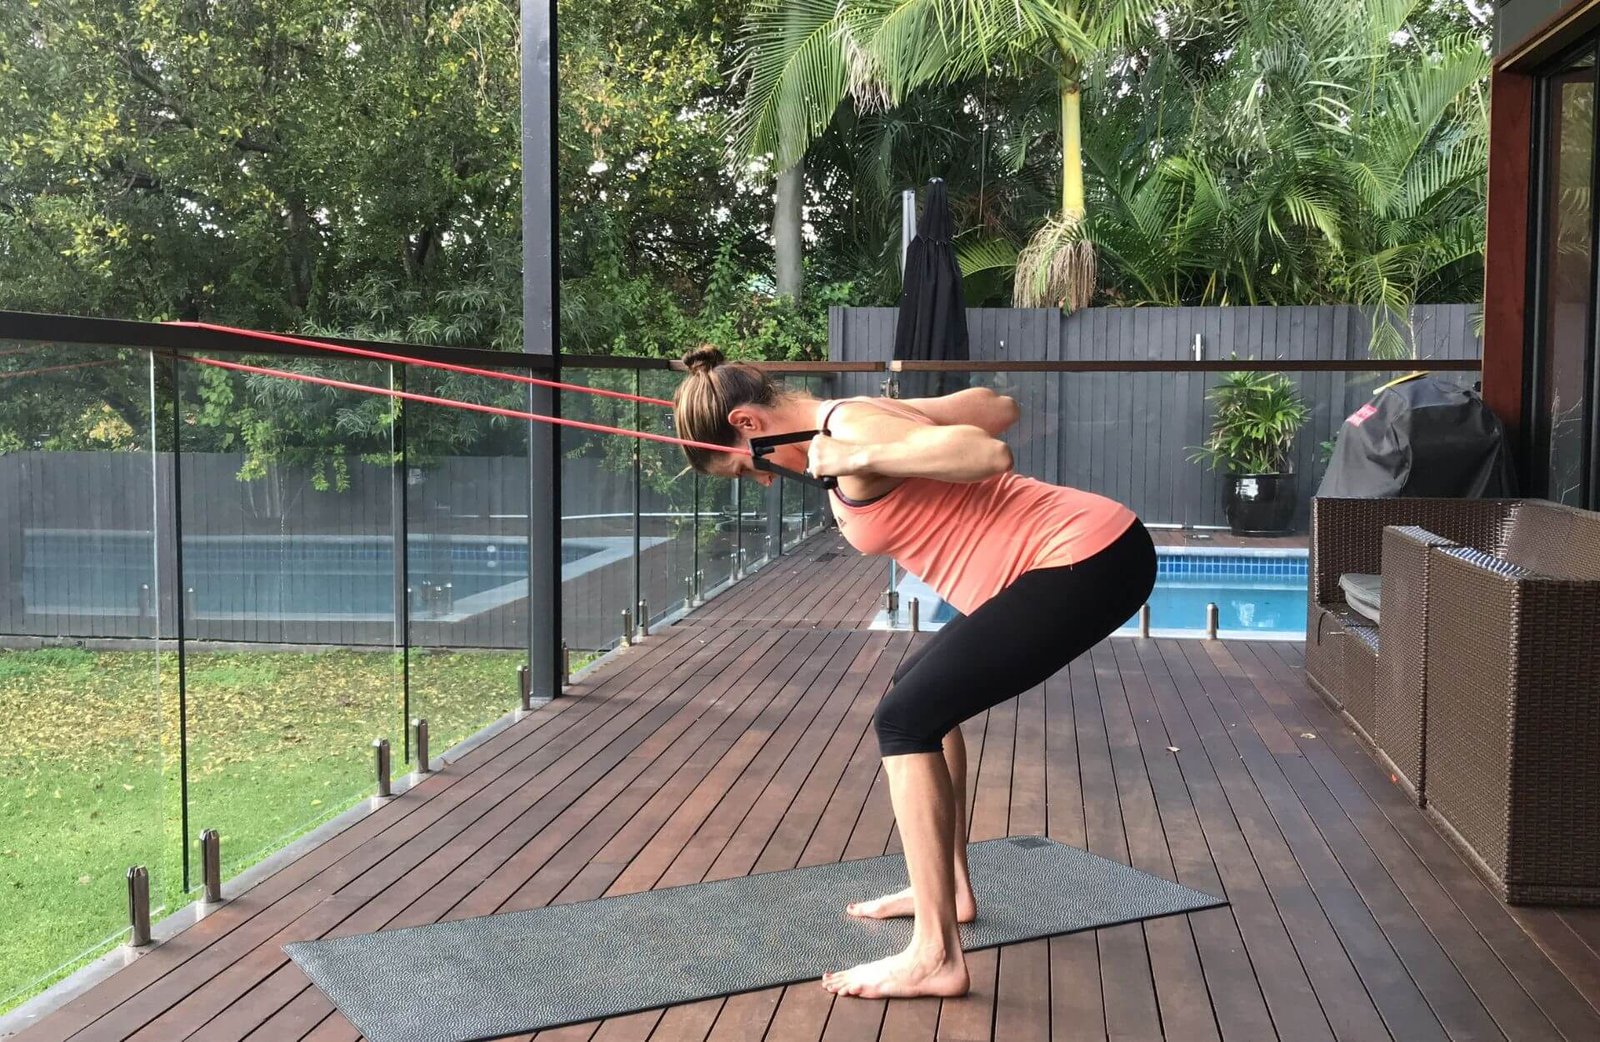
1014 641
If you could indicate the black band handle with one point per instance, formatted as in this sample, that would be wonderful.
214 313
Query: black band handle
761 448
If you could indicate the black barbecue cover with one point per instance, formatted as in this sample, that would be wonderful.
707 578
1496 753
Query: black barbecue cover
1421 437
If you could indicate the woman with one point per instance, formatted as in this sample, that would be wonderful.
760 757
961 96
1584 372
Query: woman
1040 572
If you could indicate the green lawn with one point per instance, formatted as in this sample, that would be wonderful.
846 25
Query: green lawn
278 742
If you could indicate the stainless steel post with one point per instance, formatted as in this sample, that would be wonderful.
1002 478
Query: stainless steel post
420 727
138 906
380 749
211 864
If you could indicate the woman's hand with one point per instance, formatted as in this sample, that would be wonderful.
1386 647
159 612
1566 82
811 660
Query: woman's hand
831 457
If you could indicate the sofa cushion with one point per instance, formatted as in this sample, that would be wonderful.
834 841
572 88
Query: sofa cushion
1364 593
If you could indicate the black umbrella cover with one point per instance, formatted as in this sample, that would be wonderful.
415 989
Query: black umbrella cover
933 317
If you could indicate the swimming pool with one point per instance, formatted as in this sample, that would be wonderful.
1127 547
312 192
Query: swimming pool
295 577
1259 594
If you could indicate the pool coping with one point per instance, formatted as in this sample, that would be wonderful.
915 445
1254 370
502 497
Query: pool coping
1225 551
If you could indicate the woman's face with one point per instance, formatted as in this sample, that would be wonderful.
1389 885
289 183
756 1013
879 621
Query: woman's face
737 465
754 421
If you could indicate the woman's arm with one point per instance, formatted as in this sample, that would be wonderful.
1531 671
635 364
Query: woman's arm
867 443
975 406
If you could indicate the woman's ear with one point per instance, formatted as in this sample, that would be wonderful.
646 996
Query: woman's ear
746 421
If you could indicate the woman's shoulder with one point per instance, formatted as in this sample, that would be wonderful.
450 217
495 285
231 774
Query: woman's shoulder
843 407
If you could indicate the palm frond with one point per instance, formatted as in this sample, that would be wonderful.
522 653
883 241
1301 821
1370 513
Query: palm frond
793 62
975 255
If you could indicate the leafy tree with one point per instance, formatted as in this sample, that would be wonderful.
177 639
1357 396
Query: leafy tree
280 163
323 166
802 58
355 169
1336 155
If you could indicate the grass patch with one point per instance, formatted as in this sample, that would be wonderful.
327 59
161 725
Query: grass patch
278 743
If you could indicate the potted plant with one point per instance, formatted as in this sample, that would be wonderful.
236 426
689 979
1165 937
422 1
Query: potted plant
1255 420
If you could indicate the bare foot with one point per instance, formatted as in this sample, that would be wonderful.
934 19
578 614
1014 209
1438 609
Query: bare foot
891 906
902 976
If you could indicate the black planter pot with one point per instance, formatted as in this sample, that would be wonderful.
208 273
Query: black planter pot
1261 504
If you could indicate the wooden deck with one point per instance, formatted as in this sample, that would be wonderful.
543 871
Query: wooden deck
740 741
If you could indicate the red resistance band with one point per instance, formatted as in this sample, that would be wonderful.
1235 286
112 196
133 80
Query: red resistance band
362 352
760 447
470 406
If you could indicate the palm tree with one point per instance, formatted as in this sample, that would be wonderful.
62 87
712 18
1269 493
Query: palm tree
1336 157
978 138
802 58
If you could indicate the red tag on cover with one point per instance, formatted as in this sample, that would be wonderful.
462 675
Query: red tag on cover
1359 417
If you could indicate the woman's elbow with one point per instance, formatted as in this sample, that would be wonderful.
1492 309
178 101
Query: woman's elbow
1001 460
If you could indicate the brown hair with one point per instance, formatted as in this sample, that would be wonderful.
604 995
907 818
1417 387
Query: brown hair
714 388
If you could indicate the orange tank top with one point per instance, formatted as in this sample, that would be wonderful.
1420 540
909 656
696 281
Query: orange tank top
970 541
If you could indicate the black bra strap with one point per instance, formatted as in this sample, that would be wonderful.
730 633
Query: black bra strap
829 414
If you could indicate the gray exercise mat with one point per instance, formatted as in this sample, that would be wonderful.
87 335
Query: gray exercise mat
523 971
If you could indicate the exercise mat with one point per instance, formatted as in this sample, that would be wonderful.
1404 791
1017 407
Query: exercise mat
518 972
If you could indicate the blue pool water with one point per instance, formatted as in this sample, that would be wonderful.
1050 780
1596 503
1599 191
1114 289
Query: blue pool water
293 577
1261 594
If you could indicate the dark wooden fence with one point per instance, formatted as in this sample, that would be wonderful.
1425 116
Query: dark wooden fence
1129 435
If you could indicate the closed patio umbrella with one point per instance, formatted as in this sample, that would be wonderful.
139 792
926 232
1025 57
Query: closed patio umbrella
933 317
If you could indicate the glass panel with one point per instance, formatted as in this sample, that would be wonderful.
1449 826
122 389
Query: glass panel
816 499
598 512
719 533
467 501
755 541
290 499
666 503
1566 344
793 512
88 787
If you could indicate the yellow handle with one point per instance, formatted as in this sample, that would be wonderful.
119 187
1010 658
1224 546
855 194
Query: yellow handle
1399 380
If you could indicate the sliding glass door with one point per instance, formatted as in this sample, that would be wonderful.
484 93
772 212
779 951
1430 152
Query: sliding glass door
1564 449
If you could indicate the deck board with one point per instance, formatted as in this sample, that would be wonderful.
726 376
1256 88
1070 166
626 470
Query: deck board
740 740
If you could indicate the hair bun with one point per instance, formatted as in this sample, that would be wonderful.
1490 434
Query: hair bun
703 359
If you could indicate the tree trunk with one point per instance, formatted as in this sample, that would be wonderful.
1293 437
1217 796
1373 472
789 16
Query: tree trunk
301 255
786 229
1072 205
1058 266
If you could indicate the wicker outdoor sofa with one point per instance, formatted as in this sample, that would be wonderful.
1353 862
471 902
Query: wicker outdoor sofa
1479 684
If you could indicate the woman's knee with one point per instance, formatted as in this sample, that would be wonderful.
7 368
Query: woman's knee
900 731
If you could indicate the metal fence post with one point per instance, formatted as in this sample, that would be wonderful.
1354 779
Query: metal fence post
525 687
211 865
419 727
138 906
380 748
